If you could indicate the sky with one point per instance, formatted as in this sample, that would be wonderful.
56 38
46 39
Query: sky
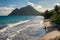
6 6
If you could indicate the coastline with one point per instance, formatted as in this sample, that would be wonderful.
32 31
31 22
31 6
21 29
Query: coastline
28 30
53 33
12 25
50 36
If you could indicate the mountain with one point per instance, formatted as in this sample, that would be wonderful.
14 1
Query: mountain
28 10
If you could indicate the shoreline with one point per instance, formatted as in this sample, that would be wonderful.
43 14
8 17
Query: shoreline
51 35
30 29
12 25
53 32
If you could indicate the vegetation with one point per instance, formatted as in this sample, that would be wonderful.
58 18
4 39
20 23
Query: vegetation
53 14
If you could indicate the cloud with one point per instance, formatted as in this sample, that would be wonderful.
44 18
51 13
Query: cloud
39 8
50 8
5 10
56 4
28 2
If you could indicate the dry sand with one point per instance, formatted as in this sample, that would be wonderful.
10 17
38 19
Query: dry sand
50 35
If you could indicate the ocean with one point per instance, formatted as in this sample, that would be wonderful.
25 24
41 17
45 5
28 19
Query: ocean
5 20
26 27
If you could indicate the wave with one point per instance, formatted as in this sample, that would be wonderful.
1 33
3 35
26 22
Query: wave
27 29
13 24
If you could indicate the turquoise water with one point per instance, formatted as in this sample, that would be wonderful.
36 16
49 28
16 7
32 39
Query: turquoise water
13 19
4 20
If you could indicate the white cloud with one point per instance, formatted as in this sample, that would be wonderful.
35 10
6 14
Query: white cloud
37 7
50 8
28 2
40 8
5 10
56 4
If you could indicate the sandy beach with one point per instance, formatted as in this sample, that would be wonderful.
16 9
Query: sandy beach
50 36
52 32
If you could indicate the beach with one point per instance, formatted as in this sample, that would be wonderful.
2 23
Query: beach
52 32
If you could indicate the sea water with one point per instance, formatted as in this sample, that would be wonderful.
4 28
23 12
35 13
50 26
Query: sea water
5 20
32 26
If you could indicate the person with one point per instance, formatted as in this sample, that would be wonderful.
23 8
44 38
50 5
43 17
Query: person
45 29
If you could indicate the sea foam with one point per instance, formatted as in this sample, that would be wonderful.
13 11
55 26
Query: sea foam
12 25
